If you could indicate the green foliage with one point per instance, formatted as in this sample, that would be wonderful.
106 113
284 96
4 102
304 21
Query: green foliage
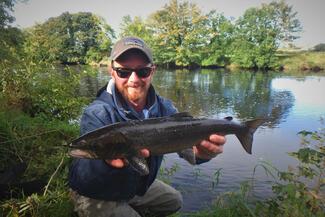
42 89
11 39
165 174
135 27
259 33
55 94
256 39
301 192
220 33
13 79
6 6
26 139
56 204
70 38
230 204
39 143
302 61
179 34
285 17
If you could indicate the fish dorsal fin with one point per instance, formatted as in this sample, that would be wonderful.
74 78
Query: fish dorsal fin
228 118
182 115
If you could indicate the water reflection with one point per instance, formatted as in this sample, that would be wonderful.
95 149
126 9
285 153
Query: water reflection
91 83
214 93
217 93
307 91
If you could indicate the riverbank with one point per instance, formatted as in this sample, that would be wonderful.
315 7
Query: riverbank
302 61
288 61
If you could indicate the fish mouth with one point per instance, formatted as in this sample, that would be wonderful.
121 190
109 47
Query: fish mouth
78 153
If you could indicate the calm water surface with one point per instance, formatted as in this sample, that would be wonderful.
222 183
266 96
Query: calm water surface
293 102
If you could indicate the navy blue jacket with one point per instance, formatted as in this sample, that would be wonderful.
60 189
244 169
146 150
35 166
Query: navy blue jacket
95 178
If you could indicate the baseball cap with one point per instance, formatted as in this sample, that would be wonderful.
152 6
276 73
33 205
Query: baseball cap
128 43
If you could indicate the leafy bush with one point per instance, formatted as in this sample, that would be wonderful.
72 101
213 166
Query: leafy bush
38 143
302 191
35 141
42 89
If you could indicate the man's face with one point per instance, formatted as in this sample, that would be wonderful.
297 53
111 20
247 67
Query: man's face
133 88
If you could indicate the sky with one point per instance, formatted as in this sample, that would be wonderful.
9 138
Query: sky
310 12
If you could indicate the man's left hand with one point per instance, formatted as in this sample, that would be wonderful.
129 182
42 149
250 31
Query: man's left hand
210 148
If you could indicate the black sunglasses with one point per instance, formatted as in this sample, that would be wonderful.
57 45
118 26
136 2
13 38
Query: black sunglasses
125 72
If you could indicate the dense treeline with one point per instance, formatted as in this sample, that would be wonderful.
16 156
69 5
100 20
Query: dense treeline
70 38
180 34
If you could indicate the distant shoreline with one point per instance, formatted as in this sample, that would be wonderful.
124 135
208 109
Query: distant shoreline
288 61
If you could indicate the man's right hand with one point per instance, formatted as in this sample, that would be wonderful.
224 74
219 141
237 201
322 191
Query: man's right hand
122 162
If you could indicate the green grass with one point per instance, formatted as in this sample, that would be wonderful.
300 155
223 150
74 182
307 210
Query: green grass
302 61
39 143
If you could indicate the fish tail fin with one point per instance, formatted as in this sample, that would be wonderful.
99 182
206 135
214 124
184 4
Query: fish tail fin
246 137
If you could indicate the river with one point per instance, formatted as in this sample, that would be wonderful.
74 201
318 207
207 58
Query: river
293 102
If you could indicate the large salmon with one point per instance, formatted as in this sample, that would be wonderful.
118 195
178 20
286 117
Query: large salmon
176 133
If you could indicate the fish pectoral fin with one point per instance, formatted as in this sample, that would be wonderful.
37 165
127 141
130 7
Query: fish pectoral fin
189 155
139 164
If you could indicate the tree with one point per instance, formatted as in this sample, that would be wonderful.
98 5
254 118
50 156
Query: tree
259 33
220 36
138 28
289 25
11 38
70 38
255 39
135 27
6 6
179 34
